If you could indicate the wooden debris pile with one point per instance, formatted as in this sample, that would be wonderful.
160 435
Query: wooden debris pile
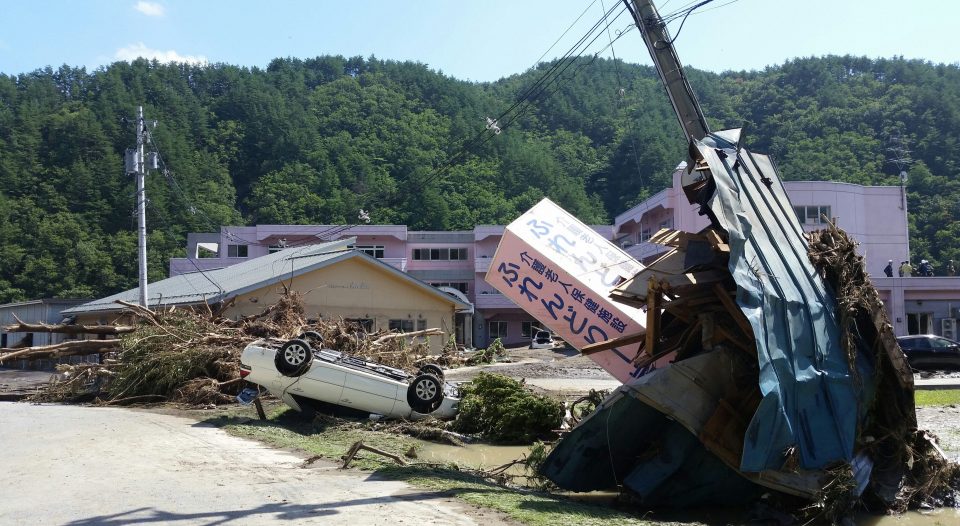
689 296
192 356
926 478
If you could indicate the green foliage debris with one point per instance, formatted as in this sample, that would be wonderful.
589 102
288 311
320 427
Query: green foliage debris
502 409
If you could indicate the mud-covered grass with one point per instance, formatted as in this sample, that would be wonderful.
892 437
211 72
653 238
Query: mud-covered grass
324 437
937 397
330 439
535 508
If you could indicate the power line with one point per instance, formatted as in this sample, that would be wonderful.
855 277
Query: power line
520 106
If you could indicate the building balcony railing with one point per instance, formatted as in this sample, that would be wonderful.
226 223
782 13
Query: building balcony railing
397 263
482 264
493 300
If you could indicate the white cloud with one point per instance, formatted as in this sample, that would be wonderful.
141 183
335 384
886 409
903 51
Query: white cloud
133 51
149 8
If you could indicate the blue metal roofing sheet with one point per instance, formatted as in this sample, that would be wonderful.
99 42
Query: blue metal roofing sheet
810 400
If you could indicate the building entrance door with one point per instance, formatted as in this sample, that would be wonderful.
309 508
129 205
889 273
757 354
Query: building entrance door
920 323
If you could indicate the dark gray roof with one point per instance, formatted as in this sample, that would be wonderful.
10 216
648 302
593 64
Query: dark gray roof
221 284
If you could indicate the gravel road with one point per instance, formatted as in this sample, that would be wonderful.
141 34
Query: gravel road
70 465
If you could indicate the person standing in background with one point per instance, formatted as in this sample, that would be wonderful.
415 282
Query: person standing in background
906 270
888 270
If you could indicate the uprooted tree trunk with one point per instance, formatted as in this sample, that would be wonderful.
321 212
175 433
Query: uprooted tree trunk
65 328
60 350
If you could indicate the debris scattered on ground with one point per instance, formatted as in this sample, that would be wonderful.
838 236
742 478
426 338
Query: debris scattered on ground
360 446
192 357
769 366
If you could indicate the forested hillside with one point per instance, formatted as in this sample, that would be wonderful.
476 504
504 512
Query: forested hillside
314 141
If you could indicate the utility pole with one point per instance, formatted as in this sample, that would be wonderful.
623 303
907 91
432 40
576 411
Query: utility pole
136 163
900 157
660 46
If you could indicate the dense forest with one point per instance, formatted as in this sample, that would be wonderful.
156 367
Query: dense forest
314 141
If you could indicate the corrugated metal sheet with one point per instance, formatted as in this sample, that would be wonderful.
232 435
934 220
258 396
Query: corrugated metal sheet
810 400
217 285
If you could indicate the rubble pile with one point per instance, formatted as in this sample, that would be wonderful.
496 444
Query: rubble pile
192 356
767 366
891 430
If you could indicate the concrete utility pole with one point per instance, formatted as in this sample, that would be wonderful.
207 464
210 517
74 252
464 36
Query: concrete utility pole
141 207
664 56
136 164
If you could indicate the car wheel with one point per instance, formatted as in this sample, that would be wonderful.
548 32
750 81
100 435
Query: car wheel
294 358
425 393
432 369
314 337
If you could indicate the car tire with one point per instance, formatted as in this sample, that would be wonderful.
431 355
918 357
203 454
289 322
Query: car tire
425 393
433 369
294 358
314 337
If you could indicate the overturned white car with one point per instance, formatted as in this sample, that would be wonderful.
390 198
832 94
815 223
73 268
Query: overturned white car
306 376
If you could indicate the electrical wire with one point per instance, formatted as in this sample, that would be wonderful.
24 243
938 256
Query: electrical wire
523 101
552 78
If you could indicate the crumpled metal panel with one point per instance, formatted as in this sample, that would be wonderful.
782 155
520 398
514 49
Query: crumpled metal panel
810 400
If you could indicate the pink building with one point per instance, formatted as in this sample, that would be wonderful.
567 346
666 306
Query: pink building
874 215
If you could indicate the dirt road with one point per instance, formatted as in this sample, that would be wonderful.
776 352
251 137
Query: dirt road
69 465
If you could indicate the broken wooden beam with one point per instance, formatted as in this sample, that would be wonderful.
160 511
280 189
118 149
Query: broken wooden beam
58 350
653 317
359 445
64 328
613 343
732 308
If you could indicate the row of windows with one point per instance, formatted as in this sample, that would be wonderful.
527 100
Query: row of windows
402 325
407 325
371 250
440 254
812 215
377 251
498 329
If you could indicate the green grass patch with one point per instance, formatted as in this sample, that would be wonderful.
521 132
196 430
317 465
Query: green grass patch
937 397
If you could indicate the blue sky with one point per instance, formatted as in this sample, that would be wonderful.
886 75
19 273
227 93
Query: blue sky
480 40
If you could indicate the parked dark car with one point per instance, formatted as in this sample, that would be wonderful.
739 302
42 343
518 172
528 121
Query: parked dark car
930 353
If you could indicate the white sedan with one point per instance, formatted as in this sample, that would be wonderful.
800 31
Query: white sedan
300 372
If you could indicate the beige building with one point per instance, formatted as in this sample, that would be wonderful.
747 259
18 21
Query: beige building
336 282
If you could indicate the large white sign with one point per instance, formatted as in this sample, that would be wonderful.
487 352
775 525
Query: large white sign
561 272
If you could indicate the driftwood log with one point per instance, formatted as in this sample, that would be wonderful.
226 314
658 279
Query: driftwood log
414 334
359 445
64 328
58 350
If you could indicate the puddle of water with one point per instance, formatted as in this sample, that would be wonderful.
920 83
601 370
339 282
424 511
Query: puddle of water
484 456
574 386
939 517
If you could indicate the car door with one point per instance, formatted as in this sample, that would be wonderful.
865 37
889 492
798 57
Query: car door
923 355
323 382
371 392
918 351
945 353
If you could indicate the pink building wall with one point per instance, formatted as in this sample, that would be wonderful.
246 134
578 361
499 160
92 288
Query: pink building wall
873 215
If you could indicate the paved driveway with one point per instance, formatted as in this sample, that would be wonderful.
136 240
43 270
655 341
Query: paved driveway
70 465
